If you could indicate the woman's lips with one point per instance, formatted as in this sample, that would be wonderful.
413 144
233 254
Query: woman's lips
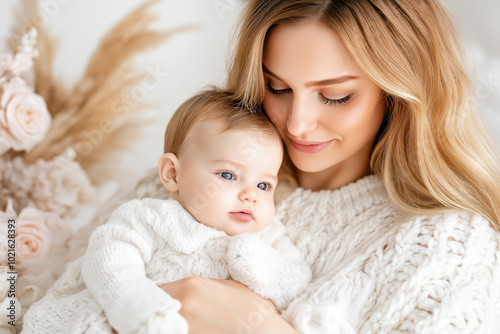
244 216
309 147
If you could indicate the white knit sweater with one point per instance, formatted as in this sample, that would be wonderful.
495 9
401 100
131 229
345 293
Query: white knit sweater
150 242
377 270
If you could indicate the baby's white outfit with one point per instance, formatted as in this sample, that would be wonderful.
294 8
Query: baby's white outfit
150 242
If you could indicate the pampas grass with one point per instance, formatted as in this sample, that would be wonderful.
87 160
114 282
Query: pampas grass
46 85
90 118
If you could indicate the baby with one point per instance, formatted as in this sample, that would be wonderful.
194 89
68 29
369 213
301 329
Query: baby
220 167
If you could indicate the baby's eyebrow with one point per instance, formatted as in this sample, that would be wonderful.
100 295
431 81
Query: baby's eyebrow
229 162
273 177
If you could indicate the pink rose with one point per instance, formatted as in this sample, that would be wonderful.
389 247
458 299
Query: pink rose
24 119
40 237
33 238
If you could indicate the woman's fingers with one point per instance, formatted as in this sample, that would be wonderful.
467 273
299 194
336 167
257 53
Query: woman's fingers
219 306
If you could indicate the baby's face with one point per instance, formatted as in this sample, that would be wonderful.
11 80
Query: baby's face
227 180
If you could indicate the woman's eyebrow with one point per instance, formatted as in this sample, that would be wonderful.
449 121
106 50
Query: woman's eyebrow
325 82
271 74
332 81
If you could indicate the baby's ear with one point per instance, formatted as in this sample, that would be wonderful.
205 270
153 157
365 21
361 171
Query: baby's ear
167 168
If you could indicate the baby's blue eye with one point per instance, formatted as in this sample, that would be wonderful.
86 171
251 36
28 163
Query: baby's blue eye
227 175
263 186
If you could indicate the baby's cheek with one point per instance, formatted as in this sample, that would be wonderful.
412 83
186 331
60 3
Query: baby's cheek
270 212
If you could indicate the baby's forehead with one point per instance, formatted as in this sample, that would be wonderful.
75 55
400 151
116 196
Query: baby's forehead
204 131
212 140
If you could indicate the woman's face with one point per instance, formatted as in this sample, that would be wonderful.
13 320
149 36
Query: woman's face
326 109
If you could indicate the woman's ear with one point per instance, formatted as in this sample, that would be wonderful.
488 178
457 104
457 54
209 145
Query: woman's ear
168 166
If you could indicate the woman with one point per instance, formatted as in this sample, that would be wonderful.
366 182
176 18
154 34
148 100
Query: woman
396 208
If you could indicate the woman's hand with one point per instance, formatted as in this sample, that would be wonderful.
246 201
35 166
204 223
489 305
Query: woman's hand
224 306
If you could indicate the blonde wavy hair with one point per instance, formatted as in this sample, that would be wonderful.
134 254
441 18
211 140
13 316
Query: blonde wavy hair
432 151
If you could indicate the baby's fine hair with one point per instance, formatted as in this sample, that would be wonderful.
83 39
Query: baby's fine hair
212 105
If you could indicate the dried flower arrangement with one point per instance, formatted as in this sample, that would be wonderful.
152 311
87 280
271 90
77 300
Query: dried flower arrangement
48 165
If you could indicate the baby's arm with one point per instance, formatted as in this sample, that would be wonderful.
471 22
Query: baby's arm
114 271
269 264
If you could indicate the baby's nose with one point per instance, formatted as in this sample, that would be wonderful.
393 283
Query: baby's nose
249 195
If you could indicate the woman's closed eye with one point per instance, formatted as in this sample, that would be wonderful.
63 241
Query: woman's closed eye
322 98
277 91
334 102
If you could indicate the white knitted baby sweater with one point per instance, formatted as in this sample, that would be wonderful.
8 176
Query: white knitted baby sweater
377 270
150 242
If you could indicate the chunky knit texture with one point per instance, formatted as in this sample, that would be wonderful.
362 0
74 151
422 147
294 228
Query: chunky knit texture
150 242
377 270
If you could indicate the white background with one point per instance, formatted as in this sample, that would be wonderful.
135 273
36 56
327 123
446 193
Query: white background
197 58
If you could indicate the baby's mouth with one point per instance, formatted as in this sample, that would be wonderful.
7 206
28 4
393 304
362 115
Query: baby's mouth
244 216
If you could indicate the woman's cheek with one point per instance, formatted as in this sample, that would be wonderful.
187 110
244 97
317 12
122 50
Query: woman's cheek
276 110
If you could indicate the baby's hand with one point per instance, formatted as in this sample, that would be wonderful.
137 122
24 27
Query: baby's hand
250 260
276 272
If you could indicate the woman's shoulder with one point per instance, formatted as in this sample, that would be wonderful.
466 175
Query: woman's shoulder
445 264
455 224
464 236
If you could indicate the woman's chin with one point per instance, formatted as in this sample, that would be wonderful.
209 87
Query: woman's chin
309 165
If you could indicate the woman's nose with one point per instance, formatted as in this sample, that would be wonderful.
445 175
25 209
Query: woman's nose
249 194
302 117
